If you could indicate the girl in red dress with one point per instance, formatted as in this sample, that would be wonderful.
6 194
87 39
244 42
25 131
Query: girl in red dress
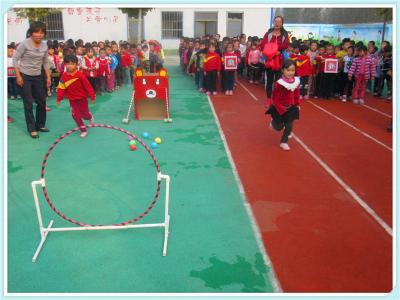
285 102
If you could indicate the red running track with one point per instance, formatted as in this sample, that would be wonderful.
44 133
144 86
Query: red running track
318 237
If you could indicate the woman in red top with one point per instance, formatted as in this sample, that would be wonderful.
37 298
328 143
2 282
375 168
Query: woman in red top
285 102
278 35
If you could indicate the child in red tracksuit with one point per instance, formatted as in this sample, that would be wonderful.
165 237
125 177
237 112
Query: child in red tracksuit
303 71
212 67
76 87
104 70
285 102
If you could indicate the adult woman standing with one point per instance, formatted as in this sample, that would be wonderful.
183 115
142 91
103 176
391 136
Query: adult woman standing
28 60
278 35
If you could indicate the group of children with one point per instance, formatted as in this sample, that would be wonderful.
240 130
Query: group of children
206 58
357 68
79 71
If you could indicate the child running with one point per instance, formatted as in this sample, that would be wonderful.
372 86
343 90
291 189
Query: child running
285 102
76 87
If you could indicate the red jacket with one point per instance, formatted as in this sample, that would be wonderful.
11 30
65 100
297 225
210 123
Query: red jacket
212 62
321 61
92 64
104 67
74 87
286 94
126 60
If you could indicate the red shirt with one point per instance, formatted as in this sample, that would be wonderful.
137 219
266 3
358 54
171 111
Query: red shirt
212 62
74 87
303 66
321 60
286 94
104 67
126 60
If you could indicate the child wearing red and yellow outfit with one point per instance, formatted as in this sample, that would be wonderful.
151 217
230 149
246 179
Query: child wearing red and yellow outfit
212 67
76 87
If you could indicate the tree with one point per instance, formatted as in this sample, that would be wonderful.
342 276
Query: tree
387 14
35 14
139 13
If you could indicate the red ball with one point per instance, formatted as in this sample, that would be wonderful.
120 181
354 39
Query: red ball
133 147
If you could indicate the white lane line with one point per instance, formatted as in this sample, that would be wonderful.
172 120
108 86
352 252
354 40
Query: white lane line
377 110
272 276
250 93
347 188
353 127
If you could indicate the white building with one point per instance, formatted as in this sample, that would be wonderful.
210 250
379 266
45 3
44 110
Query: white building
166 25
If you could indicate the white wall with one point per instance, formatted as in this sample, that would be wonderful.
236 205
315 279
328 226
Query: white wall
96 24
255 22
16 28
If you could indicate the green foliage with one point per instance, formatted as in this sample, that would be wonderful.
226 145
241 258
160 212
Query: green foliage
133 12
35 14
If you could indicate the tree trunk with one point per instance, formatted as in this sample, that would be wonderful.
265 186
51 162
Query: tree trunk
384 27
140 26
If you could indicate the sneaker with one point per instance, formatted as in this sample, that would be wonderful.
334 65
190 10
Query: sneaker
256 82
48 108
231 93
214 93
341 97
10 120
356 101
315 97
251 81
227 93
49 94
12 97
306 97
389 98
284 146
208 93
44 129
18 97
92 121
301 97
344 98
290 135
361 101
84 134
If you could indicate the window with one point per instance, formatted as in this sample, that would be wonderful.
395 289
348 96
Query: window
171 24
54 26
205 23
234 24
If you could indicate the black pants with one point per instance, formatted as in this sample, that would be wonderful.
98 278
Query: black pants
328 85
348 86
381 84
272 76
318 85
211 81
304 85
288 127
33 91
94 83
241 67
255 71
229 80
341 79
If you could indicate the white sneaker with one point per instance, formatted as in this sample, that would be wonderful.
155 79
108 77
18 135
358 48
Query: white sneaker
344 98
361 101
356 101
92 121
12 97
84 134
284 146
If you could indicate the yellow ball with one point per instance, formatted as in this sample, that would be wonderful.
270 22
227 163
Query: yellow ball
157 140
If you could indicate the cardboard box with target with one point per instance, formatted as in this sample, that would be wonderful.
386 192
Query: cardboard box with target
151 96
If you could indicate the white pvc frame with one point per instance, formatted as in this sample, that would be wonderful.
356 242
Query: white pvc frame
44 231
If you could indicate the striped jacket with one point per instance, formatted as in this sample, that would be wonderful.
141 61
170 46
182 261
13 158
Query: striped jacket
370 67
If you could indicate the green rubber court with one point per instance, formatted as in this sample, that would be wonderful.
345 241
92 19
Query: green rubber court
212 245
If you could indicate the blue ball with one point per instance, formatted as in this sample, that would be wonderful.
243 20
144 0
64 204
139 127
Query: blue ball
146 135
154 145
